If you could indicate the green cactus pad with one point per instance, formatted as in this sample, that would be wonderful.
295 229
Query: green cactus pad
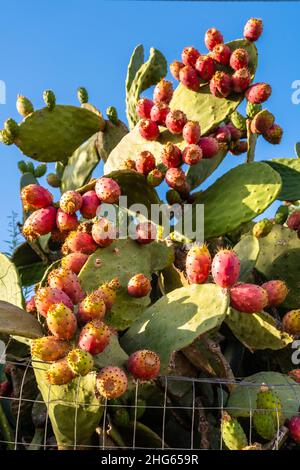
247 250
30 266
10 287
233 434
289 170
26 179
176 320
198 173
15 321
108 139
205 108
243 398
142 76
257 330
50 136
123 259
297 149
112 354
279 258
237 197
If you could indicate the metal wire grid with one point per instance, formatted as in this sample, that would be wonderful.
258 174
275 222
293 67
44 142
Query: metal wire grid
193 408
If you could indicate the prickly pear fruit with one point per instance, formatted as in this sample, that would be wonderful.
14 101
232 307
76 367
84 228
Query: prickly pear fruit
68 282
35 197
66 222
173 197
239 121
144 364
49 348
171 155
189 77
108 292
145 162
294 428
205 67
47 296
103 232
277 291
191 132
190 55
293 221
159 113
281 215
225 268
258 93
40 222
209 146
30 306
239 147
24 106
94 337
80 362
155 177
267 416
148 129
241 80
248 298
49 99
220 85
239 59
82 95
11 127
262 122
61 321
107 190
176 179
139 286
90 204
74 261
70 202
121 417
53 180
273 135
175 68
234 132
78 241
143 108
212 38
233 434
112 114
291 322
221 53
146 232
198 263
262 228
163 91
92 307
40 170
252 109
223 134
59 373
295 375
175 121
6 138
111 382
192 154
253 29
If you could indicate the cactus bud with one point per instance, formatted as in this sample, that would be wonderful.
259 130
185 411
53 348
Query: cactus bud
40 170
281 215
6 138
82 95
53 180
238 120
112 114
49 98
252 109
24 106
22 166
11 127
30 168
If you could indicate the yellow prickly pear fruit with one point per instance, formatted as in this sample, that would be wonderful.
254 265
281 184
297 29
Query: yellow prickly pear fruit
262 228
232 433
24 106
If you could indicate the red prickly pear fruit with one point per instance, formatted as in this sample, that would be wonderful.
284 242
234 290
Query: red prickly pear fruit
205 66
145 162
61 321
108 292
262 122
291 322
171 155
91 308
234 132
175 68
241 80
175 121
103 232
59 373
144 364
225 268
159 113
273 135
143 108
30 306
148 129
198 264
192 154
258 93
212 38
209 146
163 91
248 298
68 282
239 147
277 291
139 286
191 132
90 204
189 56
35 197
189 77
81 242
80 362
94 337
223 134
253 29
294 428
66 221
146 232
295 375
155 177
221 53
293 221
74 261
239 59
107 190
49 348
176 178
111 382
47 296
220 85
70 202
40 222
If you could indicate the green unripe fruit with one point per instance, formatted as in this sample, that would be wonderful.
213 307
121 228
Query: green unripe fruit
6 138
121 417
49 98
53 180
252 109
112 114
11 127
60 168
30 168
22 166
232 433
173 197
281 215
155 177
239 121
24 106
80 362
268 415
262 228
139 410
40 170
82 95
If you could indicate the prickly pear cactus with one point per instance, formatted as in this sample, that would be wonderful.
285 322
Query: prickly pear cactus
289 171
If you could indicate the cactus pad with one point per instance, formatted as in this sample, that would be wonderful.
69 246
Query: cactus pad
198 173
289 170
247 250
110 137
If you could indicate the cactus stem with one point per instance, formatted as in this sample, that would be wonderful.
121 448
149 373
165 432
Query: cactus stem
251 138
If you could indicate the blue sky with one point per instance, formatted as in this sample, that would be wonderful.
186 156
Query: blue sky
63 44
